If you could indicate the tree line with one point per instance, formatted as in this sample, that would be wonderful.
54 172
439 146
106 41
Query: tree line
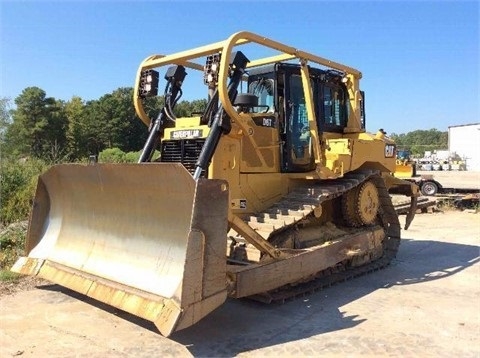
419 141
68 131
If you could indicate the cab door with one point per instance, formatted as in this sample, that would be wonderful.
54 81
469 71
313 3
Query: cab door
298 149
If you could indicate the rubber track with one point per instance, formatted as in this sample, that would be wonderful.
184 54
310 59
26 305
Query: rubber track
305 199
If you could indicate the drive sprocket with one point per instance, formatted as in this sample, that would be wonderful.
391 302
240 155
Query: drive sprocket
368 203
360 205
349 204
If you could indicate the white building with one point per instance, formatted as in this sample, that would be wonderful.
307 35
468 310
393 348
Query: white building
464 140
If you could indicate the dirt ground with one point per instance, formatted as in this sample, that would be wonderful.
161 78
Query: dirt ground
427 303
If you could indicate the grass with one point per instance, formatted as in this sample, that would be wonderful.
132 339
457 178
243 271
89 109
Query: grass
453 204
12 246
9 276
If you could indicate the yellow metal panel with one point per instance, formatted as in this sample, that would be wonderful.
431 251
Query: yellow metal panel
252 279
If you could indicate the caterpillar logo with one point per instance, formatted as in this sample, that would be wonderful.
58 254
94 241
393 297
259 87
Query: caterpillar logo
389 150
186 133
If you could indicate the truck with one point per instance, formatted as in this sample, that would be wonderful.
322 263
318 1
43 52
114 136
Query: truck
274 190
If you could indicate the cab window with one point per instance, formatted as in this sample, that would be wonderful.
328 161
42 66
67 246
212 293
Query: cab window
263 89
334 106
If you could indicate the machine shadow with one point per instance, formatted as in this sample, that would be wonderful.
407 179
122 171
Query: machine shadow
245 325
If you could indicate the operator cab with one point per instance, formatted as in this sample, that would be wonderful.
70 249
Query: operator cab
277 91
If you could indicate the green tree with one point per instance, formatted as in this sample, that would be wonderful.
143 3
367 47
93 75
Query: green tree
112 122
186 108
5 117
38 125
17 187
77 132
112 155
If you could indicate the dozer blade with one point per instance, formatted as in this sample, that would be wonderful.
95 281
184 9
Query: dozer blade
404 171
145 238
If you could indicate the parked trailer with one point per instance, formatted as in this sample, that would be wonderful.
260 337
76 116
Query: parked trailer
431 187
428 185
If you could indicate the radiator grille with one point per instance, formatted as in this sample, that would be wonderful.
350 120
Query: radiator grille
184 151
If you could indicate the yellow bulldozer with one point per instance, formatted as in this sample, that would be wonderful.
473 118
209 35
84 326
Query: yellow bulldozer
406 167
274 190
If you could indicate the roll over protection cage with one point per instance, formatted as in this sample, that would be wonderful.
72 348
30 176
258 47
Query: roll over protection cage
286 53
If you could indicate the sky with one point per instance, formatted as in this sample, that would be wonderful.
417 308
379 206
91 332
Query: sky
419 59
